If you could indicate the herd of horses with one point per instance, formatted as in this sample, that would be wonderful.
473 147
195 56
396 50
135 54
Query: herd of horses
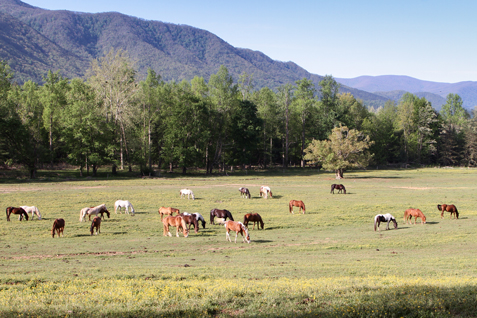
184 221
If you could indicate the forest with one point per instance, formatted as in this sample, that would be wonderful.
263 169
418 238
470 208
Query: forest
112 119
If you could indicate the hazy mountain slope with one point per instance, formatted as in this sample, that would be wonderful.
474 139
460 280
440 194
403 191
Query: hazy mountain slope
436 100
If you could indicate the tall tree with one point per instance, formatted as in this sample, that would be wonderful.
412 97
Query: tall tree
304 100
272 119
285 98
453 112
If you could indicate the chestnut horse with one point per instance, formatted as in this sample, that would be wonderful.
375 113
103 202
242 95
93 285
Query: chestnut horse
298 204
58 226
255 218
220 214
448 208
176 221
167 211
416 213
95 224
190 220
11 210
338 187
244 193
198 217
384 218
265 191
238 227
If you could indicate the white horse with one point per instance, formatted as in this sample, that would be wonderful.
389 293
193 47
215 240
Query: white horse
187 192
198 217
32 210
123 204
384 218
266 191
93 211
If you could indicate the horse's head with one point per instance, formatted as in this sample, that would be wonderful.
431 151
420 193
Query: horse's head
395 223
271 194
107 213
423 218
439 207
247 235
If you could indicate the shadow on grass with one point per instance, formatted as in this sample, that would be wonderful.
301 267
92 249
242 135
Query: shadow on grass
261 241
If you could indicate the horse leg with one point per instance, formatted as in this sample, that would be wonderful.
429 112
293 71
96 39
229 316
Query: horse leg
236 234
227 236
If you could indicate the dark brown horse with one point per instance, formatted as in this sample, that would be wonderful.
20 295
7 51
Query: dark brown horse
448 208
338 187
96 224
220 214
191 220
58 226
255 218
298 204
19 211
245 193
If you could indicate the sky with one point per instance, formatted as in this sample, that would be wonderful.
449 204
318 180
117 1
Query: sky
433 40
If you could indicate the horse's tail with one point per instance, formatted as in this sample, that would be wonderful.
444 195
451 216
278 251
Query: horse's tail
229 215
261 221
212 216
375 222
185 231
456 213
332 188
53 228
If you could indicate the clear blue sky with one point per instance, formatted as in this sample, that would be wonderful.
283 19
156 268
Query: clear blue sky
433 40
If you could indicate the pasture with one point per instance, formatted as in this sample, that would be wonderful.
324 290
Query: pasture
328 262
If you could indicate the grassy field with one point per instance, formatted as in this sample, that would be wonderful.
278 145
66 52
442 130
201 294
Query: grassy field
328 262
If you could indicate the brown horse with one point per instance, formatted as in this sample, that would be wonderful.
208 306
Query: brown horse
176 221
255 218
244 193
298 204
167 211
58 226
11 210
191 220
96 224
448 208
220 214
416 213
238 227
338 187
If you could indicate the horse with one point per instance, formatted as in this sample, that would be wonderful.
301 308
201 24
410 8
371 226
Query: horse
338 187
198 217
384 218
448 208
178 222
244 193
32 210
416 213
58 226
190 220
95 224
298 204
187 192
264 190
167 211
123 204
238 227
255 218
100 209
220 214
11 210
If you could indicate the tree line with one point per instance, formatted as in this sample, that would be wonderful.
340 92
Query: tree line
111 118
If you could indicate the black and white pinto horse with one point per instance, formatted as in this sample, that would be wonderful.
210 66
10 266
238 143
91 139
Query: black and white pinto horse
198 217
384 218
244 193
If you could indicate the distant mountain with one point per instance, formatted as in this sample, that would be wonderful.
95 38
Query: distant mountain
436 100
34 40
391 83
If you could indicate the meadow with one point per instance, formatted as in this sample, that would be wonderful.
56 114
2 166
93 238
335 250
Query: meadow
328 262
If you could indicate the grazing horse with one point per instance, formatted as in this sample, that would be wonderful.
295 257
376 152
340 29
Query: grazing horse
338 187
123 204
178 222
187 192
255 218
448 208
33 210
265 191
220 214
100 209
298 204
190 220
416 213
58 226
167 211
11 210
238 227
95 224
198 217
384 218
244 193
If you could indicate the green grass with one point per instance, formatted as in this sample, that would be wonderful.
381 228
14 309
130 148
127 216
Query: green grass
328 262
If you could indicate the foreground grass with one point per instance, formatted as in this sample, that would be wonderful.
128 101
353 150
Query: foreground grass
328 262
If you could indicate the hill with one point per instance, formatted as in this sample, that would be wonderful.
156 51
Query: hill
34 40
